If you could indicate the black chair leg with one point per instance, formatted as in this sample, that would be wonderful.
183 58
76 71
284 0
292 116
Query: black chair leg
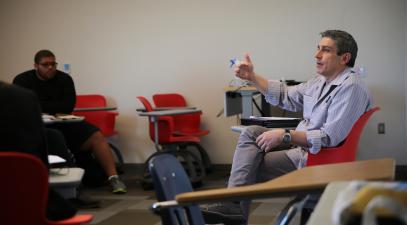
119 157
289 211
204 156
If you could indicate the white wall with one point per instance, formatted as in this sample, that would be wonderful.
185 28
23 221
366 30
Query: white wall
127 48
405 53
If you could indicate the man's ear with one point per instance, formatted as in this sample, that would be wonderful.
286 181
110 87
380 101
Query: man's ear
35 65
345 58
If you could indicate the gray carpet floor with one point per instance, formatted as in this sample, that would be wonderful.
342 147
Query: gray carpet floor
132 208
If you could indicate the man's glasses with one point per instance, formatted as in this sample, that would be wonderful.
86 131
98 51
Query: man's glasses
47 65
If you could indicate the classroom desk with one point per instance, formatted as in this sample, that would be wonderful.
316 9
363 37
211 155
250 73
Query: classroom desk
89 109
154 116
241 128
49 119
308 180
66 180
246 105
165 108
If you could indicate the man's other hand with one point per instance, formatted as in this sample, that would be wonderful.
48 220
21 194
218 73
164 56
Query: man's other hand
270 139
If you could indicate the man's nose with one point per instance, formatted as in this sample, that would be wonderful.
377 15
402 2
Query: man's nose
318 54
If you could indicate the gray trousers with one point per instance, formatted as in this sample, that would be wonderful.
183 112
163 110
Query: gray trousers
252 165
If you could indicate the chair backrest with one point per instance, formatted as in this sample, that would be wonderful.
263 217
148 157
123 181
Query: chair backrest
89 101
169 100
24 192
187 124
24 189
345 152
170 179
146 103
104 120
165 124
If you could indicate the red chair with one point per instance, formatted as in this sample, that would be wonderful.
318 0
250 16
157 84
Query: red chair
188 124
345 152
104 120
174 144
24 197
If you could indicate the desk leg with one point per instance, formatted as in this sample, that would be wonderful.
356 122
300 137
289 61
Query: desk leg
247 106
154 119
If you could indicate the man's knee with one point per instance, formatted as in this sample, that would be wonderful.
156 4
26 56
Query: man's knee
95 139
253 131
99 136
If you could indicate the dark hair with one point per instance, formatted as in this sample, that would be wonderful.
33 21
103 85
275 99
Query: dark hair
345 43
42 54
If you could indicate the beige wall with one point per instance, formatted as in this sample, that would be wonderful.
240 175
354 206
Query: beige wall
127 48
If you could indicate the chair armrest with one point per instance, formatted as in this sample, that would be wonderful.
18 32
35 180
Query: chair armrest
75 220
158 206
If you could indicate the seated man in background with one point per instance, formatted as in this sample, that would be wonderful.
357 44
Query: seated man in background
56 92
331 103
21 129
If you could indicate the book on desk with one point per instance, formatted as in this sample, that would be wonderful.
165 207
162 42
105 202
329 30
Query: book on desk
270 122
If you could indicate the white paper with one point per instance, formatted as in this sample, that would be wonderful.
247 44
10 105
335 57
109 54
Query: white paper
53 159
69 117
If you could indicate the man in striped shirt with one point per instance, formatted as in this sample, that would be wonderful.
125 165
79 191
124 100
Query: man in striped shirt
331 102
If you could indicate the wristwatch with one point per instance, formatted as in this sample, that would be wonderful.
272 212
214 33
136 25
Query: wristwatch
287 137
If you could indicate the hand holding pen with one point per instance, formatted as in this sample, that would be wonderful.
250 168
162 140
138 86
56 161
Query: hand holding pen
244 69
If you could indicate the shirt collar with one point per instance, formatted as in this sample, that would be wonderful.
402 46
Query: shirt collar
341 77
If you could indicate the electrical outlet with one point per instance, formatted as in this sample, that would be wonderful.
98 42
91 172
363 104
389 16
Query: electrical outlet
380 128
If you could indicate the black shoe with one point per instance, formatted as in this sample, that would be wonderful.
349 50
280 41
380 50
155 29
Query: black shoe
229 213
83 202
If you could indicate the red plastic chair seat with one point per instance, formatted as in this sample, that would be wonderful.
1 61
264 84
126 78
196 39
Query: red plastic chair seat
166 133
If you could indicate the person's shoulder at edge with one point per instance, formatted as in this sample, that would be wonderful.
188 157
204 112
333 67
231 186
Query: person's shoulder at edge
24 75
13 89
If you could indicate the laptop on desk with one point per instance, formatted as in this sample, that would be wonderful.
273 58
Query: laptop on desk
270 122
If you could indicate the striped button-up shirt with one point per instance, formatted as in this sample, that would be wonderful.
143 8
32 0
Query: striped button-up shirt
329 109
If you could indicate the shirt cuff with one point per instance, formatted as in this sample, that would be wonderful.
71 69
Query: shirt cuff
314 139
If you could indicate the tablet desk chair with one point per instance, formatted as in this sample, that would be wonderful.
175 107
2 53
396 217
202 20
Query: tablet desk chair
94 108
185 124
168 142
178 202
24 198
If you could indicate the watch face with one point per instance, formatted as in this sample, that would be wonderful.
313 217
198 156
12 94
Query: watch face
287 138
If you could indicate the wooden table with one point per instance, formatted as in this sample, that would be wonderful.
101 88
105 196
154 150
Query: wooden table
311 179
